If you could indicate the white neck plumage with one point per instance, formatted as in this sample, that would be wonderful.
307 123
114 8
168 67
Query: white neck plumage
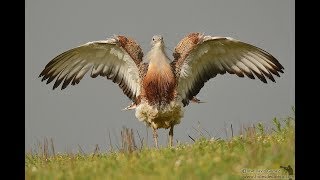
157 55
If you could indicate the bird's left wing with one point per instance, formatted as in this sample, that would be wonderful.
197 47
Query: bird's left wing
117 58
198 58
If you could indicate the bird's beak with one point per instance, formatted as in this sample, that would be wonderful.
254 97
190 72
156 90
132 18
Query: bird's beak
161 43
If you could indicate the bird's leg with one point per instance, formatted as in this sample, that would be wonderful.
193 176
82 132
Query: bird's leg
155 137
171 136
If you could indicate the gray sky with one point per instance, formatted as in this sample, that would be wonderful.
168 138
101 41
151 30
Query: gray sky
85 113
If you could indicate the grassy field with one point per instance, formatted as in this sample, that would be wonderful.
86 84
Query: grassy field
258 152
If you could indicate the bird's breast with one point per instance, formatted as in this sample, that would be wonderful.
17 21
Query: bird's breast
159 84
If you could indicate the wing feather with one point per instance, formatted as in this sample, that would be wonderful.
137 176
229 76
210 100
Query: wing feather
199 58
118 59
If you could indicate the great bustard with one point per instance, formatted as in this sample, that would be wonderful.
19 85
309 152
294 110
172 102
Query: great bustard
160 88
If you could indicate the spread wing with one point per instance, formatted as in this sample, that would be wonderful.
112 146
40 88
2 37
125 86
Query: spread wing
116 58
199 58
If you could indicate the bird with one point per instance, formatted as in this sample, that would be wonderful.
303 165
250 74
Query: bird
161 88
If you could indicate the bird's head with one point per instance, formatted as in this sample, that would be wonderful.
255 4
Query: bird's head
157 41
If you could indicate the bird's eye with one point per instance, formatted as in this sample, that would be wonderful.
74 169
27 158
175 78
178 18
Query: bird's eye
152 39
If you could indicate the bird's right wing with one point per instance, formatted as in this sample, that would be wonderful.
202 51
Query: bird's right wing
117 58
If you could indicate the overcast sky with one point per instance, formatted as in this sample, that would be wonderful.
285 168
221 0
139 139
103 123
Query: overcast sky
84 114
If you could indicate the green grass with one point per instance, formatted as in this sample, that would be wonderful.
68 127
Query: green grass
258 148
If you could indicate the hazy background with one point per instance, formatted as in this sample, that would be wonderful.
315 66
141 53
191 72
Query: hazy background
84 114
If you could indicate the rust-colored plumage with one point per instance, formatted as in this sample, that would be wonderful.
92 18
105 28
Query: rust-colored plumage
186 44
181 51
159 87
132 48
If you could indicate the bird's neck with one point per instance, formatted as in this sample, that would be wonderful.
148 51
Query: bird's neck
158 58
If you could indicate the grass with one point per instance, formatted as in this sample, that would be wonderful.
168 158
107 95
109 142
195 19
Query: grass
252 153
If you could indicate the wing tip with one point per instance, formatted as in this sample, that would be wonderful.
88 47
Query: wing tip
280 70
56 84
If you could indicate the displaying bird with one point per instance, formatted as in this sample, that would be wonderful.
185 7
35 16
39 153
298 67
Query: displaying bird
158 87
